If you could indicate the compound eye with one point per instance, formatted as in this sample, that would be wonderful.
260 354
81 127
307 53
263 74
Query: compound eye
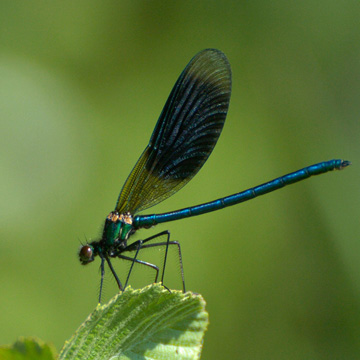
86 254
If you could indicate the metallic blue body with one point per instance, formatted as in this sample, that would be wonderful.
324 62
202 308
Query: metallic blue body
142 221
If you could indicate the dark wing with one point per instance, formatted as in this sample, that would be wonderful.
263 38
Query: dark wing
185 134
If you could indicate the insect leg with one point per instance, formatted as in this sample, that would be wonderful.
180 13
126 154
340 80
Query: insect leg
114 273
134 246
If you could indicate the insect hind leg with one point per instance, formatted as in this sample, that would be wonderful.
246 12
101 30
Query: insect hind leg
143 244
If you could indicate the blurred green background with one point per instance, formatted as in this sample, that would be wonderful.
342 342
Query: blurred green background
82 84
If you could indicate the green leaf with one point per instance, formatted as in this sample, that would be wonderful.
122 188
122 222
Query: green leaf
150 323
29 349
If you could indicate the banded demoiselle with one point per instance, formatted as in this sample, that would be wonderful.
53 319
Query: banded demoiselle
184 137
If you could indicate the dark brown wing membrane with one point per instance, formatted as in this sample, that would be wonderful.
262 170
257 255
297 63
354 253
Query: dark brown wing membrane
185 134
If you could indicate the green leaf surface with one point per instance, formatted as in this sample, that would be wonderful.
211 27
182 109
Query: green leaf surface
29 349
150 323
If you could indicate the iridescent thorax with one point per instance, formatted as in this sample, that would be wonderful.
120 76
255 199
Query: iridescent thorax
117 228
